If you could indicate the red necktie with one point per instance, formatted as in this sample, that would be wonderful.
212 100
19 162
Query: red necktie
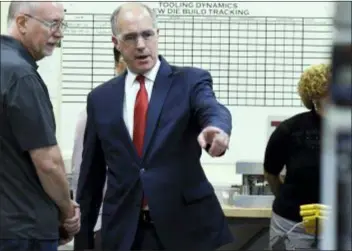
140 119
140 115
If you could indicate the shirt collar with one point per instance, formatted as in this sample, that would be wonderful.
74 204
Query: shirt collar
150 75
18 46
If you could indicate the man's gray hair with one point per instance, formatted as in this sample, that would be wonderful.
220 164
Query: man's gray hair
115 15
17 7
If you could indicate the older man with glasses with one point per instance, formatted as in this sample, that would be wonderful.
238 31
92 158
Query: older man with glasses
34 192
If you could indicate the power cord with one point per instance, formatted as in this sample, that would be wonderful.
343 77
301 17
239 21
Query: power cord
294 227
280 242
289 231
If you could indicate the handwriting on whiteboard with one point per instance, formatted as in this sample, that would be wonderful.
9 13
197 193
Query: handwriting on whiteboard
99 24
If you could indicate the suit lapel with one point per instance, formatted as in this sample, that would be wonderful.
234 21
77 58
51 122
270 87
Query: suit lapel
119 94
161 88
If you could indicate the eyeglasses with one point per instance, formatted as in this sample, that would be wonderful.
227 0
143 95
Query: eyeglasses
132 38
53 25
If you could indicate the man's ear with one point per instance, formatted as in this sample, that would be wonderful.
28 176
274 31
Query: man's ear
21 23
114 40
116 43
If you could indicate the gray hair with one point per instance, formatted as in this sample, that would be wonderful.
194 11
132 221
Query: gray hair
115 15
17 7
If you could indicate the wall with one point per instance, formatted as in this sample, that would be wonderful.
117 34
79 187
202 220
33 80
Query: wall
3 10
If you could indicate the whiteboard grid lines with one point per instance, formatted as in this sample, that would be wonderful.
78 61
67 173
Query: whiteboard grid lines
254 61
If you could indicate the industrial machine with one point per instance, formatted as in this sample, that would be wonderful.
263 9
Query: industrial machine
253 182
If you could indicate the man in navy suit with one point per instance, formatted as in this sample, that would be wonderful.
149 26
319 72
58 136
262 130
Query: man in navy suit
149 126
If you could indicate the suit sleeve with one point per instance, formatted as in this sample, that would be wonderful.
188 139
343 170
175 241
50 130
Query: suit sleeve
91 182
208 111
276 151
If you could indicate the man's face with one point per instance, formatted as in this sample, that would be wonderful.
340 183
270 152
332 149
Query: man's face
137 40
43 29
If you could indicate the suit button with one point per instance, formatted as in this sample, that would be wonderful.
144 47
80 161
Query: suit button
142 170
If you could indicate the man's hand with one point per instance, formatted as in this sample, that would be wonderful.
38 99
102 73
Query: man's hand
72 225
216 138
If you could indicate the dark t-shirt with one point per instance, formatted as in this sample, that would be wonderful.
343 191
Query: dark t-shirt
296 145
26 123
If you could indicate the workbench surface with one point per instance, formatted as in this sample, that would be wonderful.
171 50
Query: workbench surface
232 211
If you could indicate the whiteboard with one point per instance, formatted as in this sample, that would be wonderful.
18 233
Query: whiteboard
255 60
255 52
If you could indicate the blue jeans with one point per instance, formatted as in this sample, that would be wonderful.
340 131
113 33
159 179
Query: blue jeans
28 245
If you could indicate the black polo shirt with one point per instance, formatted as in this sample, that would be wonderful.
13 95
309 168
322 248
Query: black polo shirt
26 122
296 145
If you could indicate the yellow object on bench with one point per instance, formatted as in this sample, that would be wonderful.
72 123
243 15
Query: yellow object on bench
313 215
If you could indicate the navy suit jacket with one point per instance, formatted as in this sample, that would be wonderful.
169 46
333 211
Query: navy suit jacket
182 202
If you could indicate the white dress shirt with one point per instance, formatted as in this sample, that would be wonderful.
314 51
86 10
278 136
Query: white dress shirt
131 89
